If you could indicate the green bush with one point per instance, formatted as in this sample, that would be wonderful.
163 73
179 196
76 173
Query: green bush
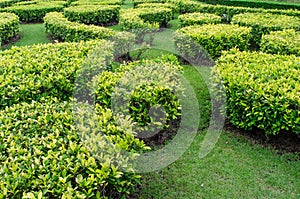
106 2
43 155
256 4
284 42
197 18
35 12
137 2
49 71
9 26
262 90
214 38
263 23
6 3
158 5
151 83
93 14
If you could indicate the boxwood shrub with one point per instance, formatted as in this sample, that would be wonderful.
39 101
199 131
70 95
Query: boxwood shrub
262 90
284 42
263 23
49 71
136 2
9 26
159 5
35 12
197 18
106 2
43 155
93 14
214 38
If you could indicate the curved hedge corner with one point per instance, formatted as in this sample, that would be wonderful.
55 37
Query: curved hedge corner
263 23
49 71
284 42
35 12
197 18
43 156
214 38
103 15
9 26
262 90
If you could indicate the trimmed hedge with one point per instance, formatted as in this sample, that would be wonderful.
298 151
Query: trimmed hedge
284 42
43 155
158 5
137 2
60 28
93 14
227 11
6 3
106 2
256 4
35 12
263 23
9 26
144 20
197 18
49 71
262 90
214 38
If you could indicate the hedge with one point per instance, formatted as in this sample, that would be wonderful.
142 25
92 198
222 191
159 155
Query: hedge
35 12
60 28
151 83
284 42
226 11
144 20
137 2
6 3
214 38
158 5
49 71
197 18
9 26
256 4
106 2
262 90
44 156
263 23
93 14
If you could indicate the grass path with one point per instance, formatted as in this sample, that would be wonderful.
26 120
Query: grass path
31 34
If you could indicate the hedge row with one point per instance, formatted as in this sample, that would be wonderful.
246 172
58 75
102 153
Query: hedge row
158 5
198 18
214 38
6 3
44 156
35 12
262 90
144 20
137 2
256 4
228 11
284 42
49 71
9 26
106 2
93 14
263 23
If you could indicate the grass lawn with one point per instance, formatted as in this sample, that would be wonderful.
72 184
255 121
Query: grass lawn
31 34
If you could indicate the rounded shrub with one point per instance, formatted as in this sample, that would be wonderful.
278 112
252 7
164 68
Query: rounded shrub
262 90
9 26
284 42
191 41
263 23
197 18
93 14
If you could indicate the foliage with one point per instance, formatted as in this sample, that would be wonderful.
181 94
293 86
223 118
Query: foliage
263 23
35 12
93 14
284 42
136 2
197 18
158 5
106 2
43 156
49 71
9 26
214 38
262 90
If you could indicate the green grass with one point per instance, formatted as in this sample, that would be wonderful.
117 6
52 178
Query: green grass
31 34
